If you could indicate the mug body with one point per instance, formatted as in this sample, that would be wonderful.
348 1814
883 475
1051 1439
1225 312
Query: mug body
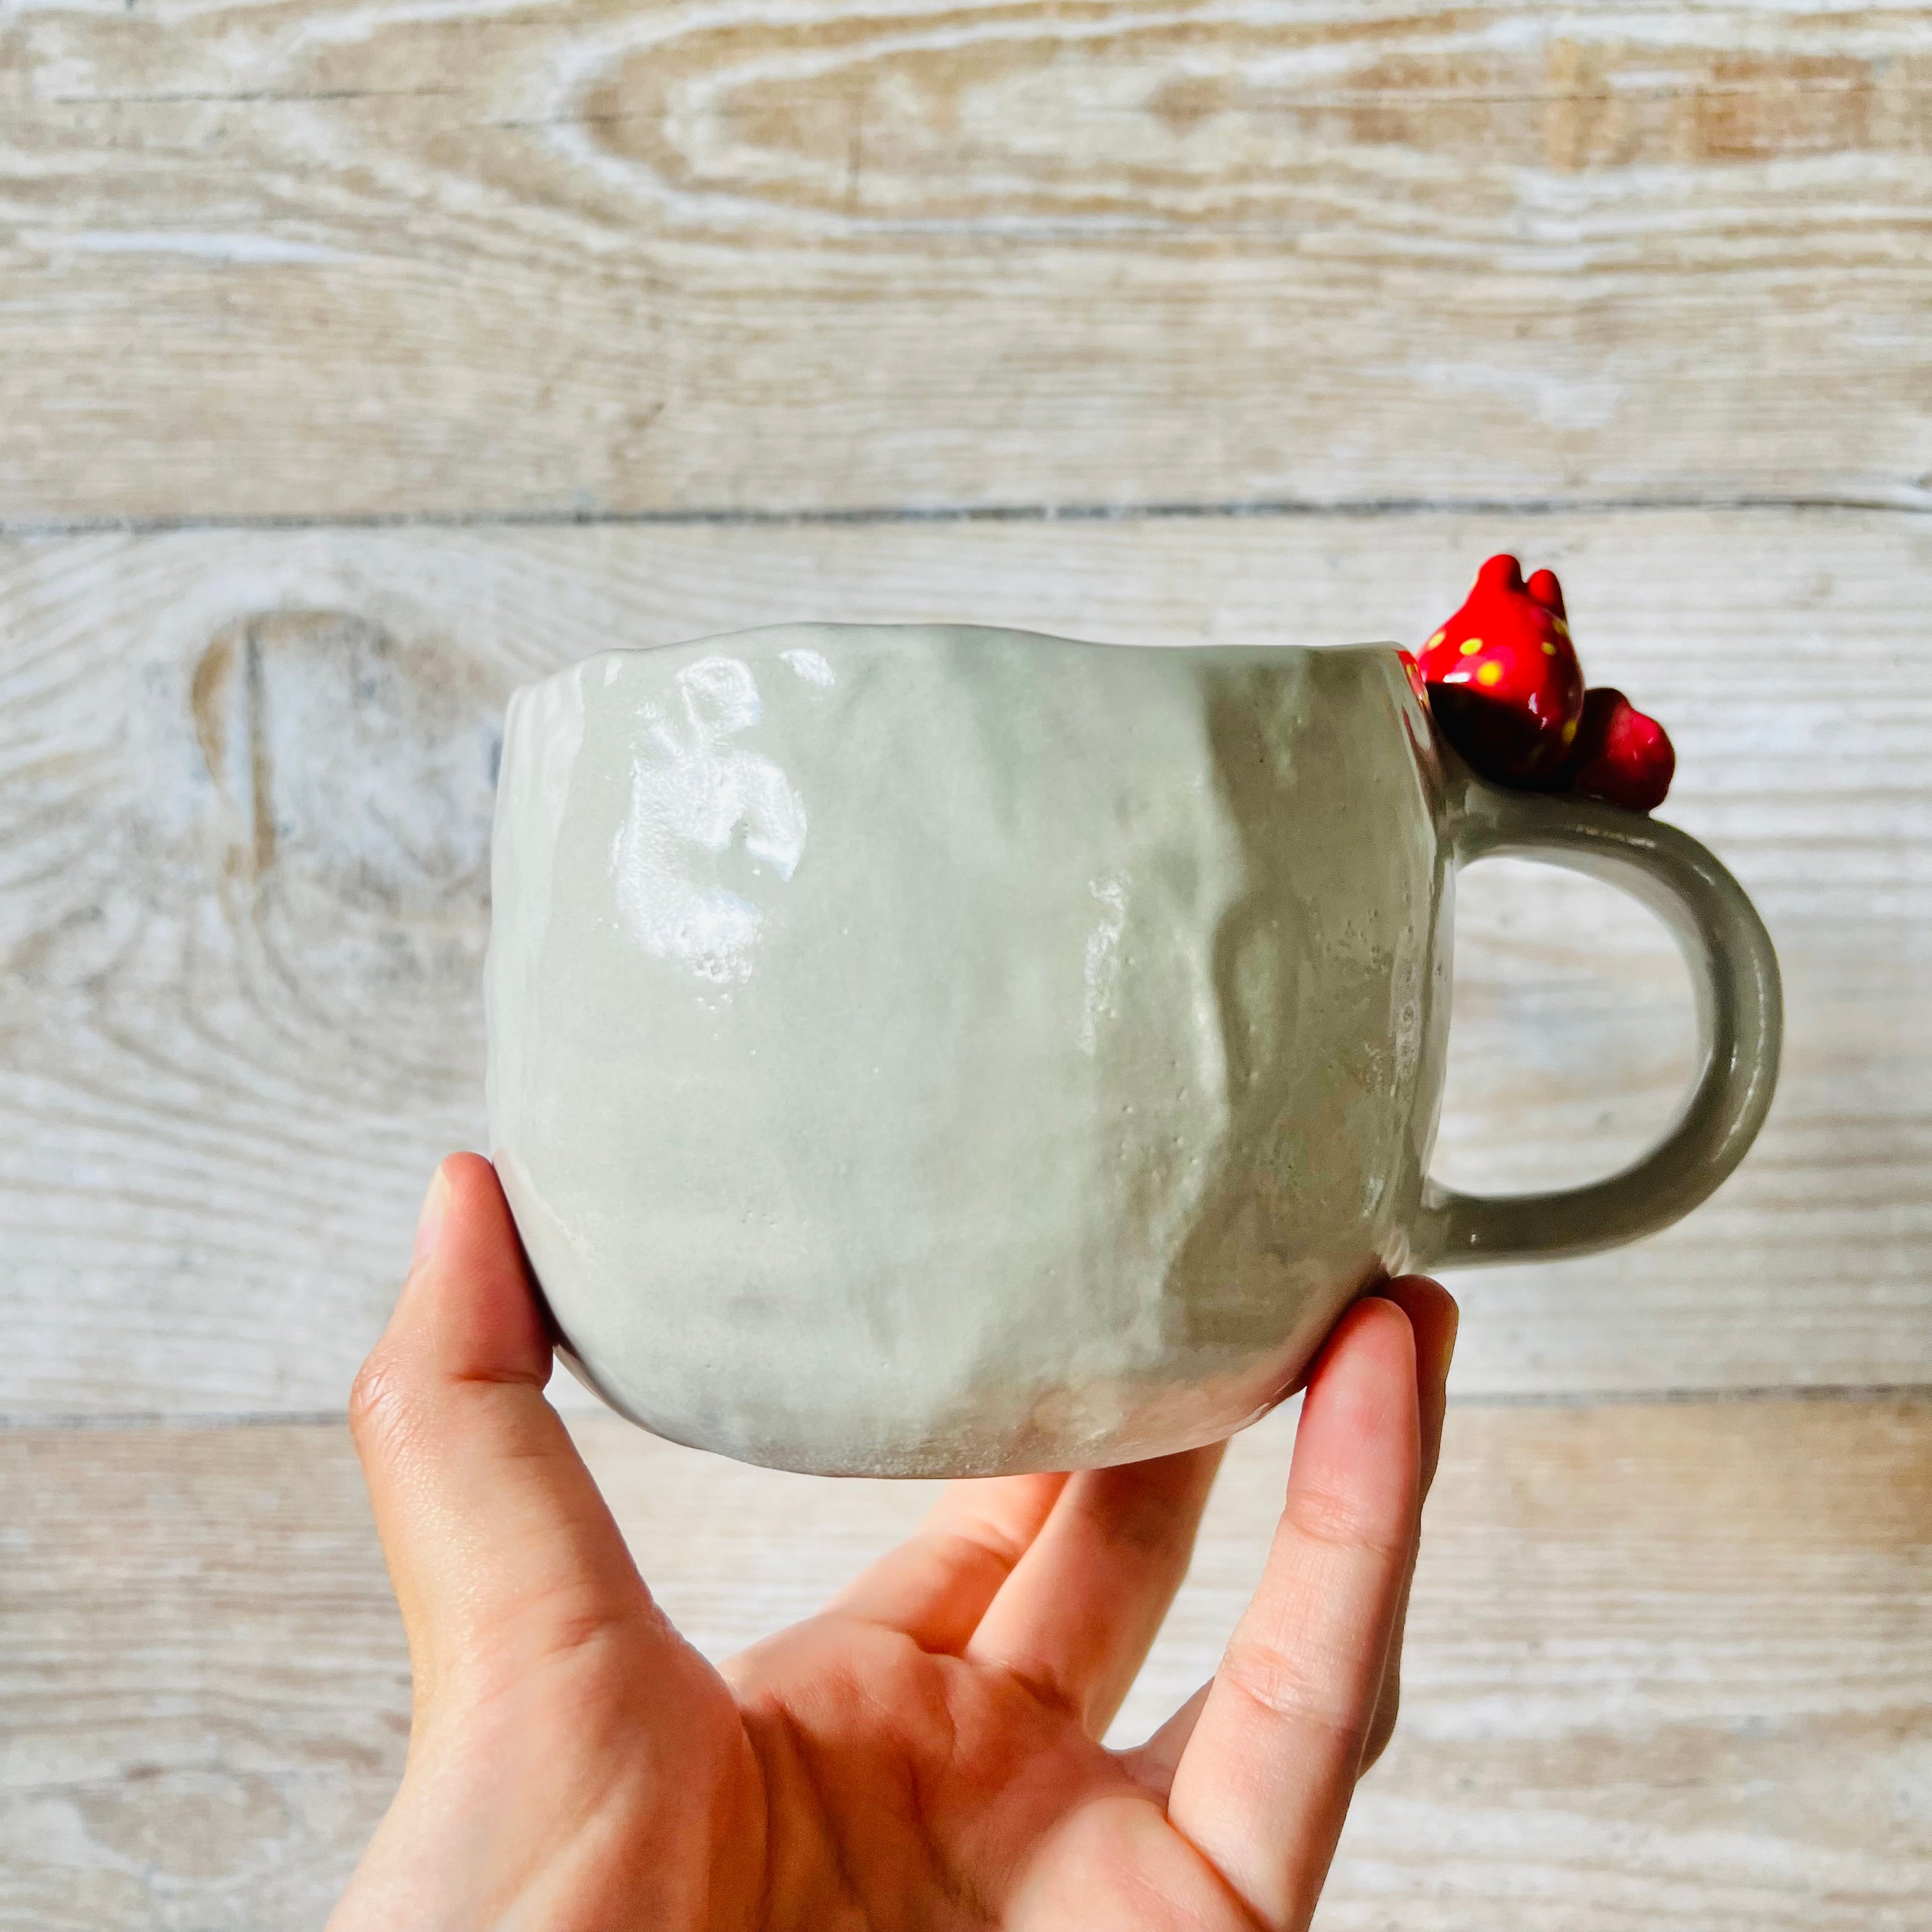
924 1050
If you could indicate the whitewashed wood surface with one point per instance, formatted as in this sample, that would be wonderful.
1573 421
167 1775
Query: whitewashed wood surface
244 796
360 359
1670 1666
343 256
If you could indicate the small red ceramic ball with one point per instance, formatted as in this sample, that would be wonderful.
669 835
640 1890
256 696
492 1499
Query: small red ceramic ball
1622 756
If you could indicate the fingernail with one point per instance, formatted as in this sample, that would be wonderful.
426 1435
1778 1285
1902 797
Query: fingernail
429 1222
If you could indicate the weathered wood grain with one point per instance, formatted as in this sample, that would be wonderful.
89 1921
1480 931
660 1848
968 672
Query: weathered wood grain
308 257
1668 1665
204 1697
244 788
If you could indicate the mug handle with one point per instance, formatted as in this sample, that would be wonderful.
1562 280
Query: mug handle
1740 1026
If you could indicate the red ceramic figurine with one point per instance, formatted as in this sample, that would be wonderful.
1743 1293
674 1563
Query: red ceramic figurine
1503 679
1504 684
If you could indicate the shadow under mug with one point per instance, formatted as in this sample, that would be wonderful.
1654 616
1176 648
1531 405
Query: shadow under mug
927 1050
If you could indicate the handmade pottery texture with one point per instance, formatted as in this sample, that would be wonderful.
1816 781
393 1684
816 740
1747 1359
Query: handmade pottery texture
941 1048
929 1050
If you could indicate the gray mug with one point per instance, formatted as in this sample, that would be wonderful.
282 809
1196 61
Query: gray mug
928 1051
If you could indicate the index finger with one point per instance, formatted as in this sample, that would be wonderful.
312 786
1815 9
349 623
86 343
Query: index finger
1264 1783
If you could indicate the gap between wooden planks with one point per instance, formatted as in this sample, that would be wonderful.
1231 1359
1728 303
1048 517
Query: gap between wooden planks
1668 1665
244 790
314 259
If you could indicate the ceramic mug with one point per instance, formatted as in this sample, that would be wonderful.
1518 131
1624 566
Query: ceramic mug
924 1050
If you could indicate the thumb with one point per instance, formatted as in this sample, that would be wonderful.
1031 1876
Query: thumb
502 1551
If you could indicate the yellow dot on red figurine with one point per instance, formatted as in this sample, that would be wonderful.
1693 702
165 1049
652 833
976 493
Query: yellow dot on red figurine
1470 646
1435 641
1569 731
1549 648
1562 628
1490 673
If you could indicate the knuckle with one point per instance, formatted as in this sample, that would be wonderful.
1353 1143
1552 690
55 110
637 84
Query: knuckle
1338 1521
379 1404
1296 1690
982 1542
575 1624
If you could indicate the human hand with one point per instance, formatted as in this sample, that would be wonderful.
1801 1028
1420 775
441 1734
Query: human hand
923 1753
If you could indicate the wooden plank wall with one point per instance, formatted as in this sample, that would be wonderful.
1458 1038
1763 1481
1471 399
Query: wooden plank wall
361 358
372 256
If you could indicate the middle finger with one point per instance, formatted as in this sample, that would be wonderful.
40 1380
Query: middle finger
1076 1618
